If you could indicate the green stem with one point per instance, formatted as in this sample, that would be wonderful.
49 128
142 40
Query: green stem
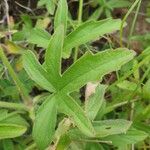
75 54
80 11
133 23
21 88
15 106
124 19
79 22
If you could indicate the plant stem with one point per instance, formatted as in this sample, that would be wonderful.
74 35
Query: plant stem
7 17
124 19
79 22
133 23
21 88
80 11
15 106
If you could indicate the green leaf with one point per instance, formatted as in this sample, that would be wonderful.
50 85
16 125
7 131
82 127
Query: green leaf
11 124
63 143
45 122
127 85
88 32
92 67
142 126
69 106
96 14
110 127
39 37
13 48
53 55
27 21
95 102
146 89
11 130
103 129
8 144
50 5
131 137
12 118
118 3
20 86
61 15
36 71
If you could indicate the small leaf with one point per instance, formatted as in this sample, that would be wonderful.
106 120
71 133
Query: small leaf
118 3
39 36
110 127
45 122
95 101
61 15
68 106
27 21
63 127
92 67
63 143
43 22
103 129
88 32
131 137
12 118
11 124
127 85
11 130
36 71
13 48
